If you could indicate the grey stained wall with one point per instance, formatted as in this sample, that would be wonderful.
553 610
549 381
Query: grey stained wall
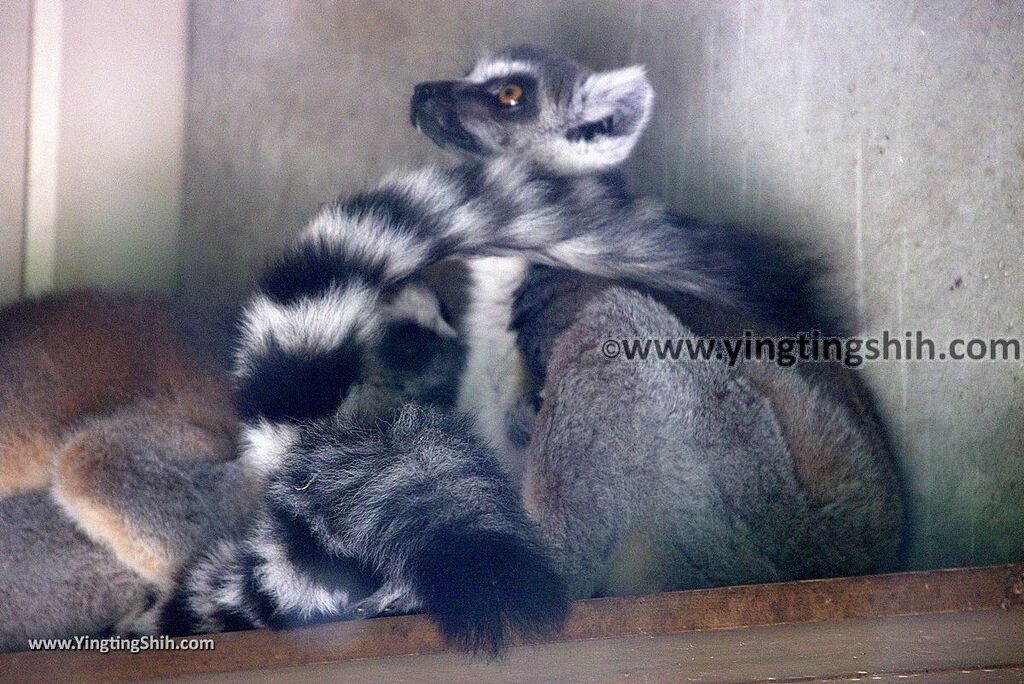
888 134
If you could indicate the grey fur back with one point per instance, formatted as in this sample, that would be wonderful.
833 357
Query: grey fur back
654 475
57 578
54 581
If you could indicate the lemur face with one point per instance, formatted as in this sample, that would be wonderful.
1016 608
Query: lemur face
537 104
418 359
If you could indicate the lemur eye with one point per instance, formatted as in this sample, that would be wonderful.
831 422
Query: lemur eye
510 94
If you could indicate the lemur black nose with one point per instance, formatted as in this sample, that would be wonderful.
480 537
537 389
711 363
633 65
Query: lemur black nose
425 93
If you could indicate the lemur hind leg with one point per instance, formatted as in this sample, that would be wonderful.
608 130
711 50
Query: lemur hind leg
25 454
58 583
660 474
151 487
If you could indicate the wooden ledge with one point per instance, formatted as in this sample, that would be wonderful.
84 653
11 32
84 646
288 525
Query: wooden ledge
961 590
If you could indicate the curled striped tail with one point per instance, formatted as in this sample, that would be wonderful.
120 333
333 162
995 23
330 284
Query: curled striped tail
318 308
368 518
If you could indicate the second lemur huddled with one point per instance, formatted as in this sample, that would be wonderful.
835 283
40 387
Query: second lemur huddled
650 476
728 476
529 104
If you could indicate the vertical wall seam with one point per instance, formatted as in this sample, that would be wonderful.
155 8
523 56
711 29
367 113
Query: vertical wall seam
16 229
858 233
39 229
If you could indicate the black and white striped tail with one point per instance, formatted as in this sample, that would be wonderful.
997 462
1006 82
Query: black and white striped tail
366 519
303 334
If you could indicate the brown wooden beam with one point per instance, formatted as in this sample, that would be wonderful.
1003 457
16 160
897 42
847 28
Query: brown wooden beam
876 596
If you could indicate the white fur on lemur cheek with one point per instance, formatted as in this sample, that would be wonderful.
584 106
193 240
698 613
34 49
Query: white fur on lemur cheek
418 304
581 156
585 121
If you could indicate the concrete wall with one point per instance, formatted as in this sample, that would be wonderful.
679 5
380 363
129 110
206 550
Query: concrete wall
887 134
119 164
14 54
92 109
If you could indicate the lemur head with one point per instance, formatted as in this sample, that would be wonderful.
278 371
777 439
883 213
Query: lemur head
540 105
418 357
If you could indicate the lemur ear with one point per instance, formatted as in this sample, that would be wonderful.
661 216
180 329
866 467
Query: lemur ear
613 103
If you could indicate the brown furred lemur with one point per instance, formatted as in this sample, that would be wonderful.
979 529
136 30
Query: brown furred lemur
117 436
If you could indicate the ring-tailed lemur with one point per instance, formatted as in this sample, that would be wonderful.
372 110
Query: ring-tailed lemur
686 474
308 340
304 348
531 104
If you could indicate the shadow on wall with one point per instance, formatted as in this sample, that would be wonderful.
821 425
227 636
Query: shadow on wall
887 137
